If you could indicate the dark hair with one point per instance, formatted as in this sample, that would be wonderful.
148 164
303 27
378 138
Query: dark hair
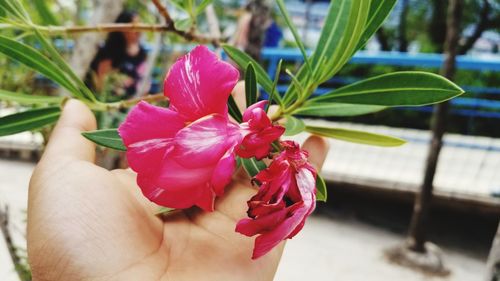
115 45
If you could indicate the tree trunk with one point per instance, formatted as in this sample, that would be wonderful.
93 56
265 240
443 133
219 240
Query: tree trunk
382 39
403 41
417 233
481 26
261 14
437 26
86 45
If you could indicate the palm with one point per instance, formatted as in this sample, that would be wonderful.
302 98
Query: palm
110 221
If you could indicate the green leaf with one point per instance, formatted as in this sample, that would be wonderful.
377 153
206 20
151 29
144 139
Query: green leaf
294 126
379 11
201 7
233 109
296 36
108 138
28 120
356 136
329 109
81 88
250 85
164 210
409 88
242 60
25 99
15 9
343 27
321 191
34 60
46 15
183 24
252 166
274 95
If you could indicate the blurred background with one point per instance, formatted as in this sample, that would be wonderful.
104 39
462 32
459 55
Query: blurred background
446 201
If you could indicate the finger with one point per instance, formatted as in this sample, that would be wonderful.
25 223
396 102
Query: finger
318 149
66 141
239 95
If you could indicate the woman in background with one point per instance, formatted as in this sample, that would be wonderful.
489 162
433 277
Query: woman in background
121 53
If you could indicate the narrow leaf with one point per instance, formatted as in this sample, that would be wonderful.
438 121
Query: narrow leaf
201 7
356 136
107 138
34 60
296 36
250 85
233 109
242 60
25 99
183 24
46 15
294 126
274 95
28 120
252 166
321 191
409 88
82 89
379 11
329 109
164 211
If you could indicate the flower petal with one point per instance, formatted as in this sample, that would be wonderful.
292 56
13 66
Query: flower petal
147 132
223 172
203 142
199 84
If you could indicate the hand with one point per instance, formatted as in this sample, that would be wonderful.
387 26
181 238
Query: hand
88 223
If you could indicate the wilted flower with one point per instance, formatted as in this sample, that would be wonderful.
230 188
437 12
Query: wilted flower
286 197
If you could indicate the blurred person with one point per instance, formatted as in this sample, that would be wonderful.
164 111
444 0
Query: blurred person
121 53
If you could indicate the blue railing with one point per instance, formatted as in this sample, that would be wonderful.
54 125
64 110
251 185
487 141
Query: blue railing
477 106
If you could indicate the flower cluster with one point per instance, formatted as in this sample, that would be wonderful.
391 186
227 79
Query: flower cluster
185 155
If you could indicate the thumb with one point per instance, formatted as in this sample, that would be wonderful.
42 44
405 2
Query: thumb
318 149
66 140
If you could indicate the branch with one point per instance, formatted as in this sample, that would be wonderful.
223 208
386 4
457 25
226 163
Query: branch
482 25
163 12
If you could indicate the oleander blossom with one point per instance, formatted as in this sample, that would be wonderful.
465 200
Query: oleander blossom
184 155
286 197
259 132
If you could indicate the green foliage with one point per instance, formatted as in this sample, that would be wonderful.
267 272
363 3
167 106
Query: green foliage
356 136
233 109
28 120
25 99
250 85
329 109
107 138
46 15
252 166
379 11
321 191
36 61
409 88
294 126
242 60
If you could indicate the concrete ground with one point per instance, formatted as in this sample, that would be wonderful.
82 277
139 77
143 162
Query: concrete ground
337 247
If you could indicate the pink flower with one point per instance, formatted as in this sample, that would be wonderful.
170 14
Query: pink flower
184 155
286 197
259 132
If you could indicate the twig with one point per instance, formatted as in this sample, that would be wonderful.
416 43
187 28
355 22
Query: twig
163 11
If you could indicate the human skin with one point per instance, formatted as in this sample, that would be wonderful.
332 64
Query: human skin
88 223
